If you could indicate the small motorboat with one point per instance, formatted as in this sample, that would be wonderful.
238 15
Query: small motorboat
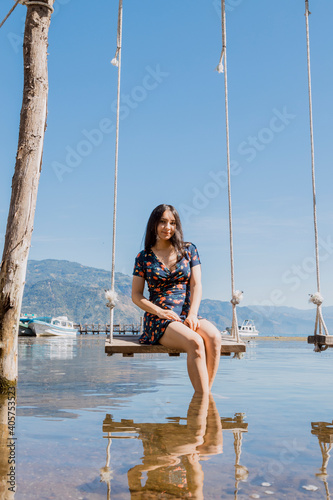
246 330
48 326
24 330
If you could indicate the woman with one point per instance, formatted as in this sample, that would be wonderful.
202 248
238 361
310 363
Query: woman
173 273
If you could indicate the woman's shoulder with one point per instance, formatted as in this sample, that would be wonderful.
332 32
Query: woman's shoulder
190 246
141 262
143 255
192 253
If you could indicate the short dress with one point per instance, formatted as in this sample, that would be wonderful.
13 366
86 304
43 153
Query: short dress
167 289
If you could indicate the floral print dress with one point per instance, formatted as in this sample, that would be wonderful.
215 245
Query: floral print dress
167 289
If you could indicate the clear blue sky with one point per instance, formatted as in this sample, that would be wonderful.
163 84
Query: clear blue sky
172 137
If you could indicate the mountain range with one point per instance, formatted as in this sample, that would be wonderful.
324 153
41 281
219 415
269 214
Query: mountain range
63 288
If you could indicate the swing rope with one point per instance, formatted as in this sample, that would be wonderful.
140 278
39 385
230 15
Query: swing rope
27 3
316 298
111 295
236 294
9 13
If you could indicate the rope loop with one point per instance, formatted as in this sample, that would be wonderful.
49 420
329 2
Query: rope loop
316 299
320 348
234 325
36 2
307 12
111 297
220 68
115 60
237 297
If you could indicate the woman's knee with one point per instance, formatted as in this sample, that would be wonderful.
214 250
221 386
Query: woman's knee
211 333
215 341
196 345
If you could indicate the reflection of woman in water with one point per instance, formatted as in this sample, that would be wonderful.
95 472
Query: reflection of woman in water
172 271
172 453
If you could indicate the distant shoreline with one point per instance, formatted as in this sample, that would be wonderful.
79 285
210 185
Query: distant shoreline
275 337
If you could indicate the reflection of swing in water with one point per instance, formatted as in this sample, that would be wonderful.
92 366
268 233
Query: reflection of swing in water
238 427
172 451
324 433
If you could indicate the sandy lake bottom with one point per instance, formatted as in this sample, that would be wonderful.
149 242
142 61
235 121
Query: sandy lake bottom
90 426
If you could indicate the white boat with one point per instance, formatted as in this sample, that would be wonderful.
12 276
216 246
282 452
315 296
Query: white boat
24 330
59 326
247 329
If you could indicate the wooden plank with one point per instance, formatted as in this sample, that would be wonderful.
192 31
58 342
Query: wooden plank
129 345
321 339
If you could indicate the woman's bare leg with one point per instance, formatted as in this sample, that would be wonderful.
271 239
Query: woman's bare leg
179 336
212 339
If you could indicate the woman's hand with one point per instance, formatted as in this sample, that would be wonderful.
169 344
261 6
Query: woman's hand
192 321
168 314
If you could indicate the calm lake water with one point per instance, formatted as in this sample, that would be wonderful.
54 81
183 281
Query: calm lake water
91 426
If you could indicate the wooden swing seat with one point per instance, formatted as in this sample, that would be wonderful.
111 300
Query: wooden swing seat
128 345
325 340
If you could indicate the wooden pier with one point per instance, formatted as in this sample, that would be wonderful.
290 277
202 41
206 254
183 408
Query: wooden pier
95 329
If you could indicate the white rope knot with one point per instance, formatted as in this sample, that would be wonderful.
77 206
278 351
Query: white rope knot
316 299
111 297
115 60
237 297
239 355
220 68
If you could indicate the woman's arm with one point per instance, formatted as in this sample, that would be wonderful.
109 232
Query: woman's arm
195 298
140 300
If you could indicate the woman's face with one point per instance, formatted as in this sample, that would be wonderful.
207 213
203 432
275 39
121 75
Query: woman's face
166 226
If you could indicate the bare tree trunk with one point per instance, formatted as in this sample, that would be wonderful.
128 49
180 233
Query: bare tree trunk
7 446
24 186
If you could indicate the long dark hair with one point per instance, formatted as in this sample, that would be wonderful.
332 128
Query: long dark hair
151 230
